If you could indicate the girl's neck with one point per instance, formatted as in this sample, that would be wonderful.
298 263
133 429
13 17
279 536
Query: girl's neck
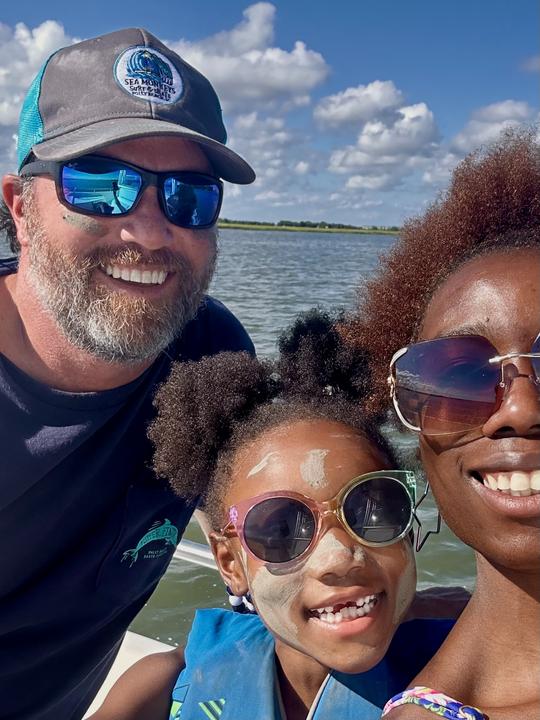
300 678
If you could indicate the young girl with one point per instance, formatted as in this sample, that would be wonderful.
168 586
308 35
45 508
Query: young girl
311 518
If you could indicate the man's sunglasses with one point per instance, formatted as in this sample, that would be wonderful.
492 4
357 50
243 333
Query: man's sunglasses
453 384
95 185
376 509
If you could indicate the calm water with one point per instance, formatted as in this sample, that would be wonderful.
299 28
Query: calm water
266 278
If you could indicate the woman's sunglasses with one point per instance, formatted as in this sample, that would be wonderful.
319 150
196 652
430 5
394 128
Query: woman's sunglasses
103 186
376 509
453 384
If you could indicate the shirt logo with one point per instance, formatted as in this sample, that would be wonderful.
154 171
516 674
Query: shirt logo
148 75
165 532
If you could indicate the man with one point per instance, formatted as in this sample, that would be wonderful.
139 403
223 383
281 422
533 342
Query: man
113 212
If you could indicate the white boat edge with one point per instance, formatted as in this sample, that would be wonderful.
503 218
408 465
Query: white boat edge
135 646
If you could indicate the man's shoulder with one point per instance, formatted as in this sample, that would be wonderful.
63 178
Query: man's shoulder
214 329
8 265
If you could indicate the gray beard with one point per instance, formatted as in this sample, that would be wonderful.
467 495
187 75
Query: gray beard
113 326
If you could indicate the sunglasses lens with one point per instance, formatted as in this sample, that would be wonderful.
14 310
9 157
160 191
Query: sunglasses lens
378 510
99 186
279 529
536 361
191 204
448 385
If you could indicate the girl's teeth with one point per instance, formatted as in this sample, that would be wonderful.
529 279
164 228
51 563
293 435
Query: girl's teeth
362 607
517 483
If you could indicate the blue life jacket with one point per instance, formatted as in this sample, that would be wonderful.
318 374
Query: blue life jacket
230 672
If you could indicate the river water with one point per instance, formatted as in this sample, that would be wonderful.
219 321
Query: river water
266 278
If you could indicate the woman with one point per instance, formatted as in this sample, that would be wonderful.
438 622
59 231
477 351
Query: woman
455 312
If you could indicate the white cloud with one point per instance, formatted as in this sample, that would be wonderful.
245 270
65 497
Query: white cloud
358 104
301 167
388 149
22 53
487 123
247 71
531 64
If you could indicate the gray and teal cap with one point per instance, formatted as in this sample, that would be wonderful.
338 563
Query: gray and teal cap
120 86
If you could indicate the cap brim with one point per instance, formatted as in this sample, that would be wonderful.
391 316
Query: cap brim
225 162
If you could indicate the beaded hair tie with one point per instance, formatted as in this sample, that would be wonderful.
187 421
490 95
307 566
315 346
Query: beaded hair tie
435 702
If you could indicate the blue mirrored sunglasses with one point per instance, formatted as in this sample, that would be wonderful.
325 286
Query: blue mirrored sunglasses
96 185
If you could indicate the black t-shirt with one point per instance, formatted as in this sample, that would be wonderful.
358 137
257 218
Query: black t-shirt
86 530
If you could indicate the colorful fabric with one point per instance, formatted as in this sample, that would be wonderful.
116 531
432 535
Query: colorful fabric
437 703
230 672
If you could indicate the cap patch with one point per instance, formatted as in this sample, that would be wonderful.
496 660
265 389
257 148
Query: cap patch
148 75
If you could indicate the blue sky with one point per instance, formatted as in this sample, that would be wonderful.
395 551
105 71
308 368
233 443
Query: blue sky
350 112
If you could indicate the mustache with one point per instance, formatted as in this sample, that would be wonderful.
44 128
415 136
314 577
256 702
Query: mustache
129 255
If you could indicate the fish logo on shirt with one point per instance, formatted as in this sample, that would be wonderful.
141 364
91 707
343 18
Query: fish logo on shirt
160 531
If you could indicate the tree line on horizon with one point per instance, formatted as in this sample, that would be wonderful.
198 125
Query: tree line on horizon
311 224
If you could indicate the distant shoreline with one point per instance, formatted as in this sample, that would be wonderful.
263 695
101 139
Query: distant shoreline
300 228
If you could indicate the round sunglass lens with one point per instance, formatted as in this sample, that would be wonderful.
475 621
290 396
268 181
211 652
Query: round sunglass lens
447 385
378 510
277 530
191 205
100 187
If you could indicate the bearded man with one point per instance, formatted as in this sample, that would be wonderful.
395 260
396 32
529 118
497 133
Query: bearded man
112 216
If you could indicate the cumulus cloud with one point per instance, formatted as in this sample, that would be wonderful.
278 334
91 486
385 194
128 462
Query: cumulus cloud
22 52
359 104
247 70
487 123
388 149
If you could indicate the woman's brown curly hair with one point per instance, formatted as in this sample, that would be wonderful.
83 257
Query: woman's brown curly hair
208 410
492 204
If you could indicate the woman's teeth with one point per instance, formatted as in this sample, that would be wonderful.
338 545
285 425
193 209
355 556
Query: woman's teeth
347 611
144 277
517 483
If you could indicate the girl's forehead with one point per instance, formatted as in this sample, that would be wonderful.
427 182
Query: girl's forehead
315 458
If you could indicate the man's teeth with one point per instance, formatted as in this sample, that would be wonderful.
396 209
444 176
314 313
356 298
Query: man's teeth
517 483
144 277
348 611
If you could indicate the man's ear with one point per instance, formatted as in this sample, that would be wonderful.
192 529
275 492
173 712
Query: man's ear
229 561
12 193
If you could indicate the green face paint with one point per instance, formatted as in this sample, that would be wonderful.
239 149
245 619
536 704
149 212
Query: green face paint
86 224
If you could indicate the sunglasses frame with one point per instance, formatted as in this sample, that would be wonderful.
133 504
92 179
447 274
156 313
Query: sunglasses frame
319 510
503 385
149 178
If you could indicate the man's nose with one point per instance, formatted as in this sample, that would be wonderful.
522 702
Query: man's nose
519 411
147 226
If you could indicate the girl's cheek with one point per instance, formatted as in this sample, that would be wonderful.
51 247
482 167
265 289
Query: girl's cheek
274 596
406 583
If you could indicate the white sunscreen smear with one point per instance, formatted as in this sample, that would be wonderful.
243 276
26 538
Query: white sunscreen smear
312 468
275 596
329 552
260 466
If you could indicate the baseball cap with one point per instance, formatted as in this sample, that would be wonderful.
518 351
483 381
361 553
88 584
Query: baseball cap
120 86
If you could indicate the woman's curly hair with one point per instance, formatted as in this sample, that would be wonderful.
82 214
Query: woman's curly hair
492 204
208 410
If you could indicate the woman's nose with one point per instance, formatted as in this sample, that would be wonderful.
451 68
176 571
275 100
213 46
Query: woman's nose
519 411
